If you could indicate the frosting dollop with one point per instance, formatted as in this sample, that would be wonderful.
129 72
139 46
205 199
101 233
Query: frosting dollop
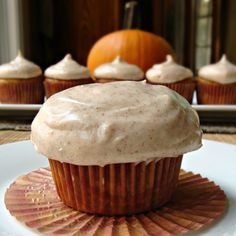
168 72
119 69
19 68
120 122
67 69
222 72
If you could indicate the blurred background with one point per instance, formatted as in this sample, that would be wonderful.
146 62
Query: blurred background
45 30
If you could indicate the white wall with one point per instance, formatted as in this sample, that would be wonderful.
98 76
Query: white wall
10 29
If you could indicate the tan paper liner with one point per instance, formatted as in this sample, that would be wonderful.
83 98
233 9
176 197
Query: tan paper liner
116 189
214 93
22 91
53 86
106 80
185 88
32 199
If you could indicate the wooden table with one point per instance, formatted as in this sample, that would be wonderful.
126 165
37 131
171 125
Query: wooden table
9 136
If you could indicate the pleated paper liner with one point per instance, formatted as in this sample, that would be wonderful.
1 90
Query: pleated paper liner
185 88
22 91
53 86
108 80
209 92
33 200
116 189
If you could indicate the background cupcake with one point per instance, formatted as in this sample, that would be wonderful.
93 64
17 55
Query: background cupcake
173 76
118 149
118 70
65 74
21 82
216 83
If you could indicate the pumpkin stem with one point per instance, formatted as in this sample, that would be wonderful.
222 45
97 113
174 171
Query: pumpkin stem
131 18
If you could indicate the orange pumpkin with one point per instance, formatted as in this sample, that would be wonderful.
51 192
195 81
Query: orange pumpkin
136 46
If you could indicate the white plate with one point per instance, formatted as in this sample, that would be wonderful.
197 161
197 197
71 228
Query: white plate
15 159
214 160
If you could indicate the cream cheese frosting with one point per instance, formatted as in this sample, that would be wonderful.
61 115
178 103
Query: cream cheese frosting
119 69
19 68
67 69
222 72
168 72
120 122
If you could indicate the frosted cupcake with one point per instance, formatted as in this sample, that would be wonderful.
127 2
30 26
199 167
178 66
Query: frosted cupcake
216 83
174 76
116 148
65 74
21 82
118 70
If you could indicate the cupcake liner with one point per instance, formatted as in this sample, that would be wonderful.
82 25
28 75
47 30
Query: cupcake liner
33 200
185 88
116 189
214 93
106 80
53 86
22 91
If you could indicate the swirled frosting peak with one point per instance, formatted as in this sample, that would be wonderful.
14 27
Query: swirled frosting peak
119 69
19 68
168 72
120 122
222 72
67 69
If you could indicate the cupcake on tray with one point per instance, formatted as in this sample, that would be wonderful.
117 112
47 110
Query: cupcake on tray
118 70
118 150
65 74
174 76
21 82
216 83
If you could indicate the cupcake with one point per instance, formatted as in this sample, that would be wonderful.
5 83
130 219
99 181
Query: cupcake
21 82
116 148
118 70
65 74
174 76
216 83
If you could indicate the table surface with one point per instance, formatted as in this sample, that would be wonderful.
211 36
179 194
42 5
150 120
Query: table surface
9 136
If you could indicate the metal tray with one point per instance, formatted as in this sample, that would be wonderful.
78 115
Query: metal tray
18 111
207 113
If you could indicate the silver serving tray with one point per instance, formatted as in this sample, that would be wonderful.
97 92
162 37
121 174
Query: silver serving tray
216 113
19 111
207 113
